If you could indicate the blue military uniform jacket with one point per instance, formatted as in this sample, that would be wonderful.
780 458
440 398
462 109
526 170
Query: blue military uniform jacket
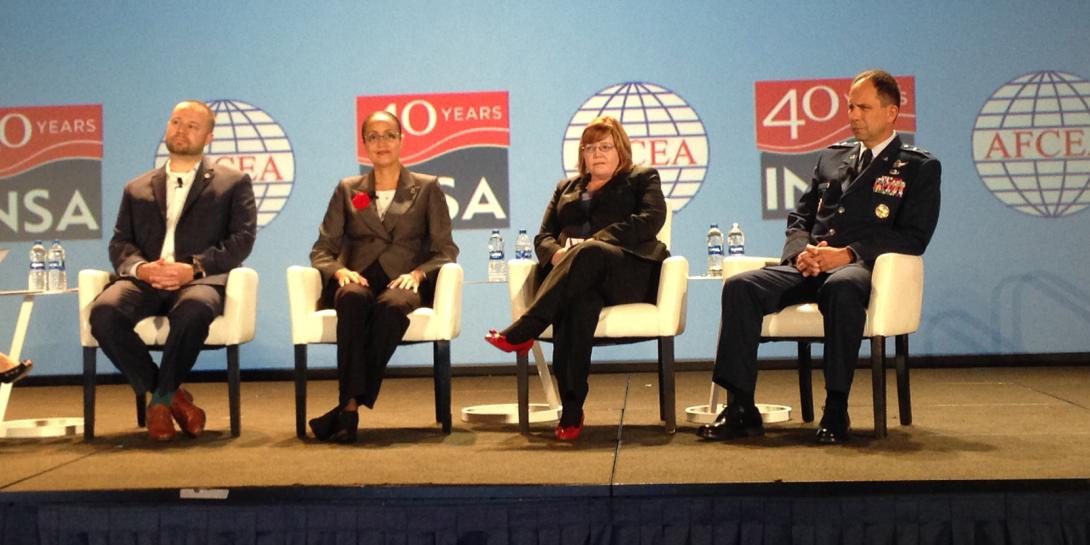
892 206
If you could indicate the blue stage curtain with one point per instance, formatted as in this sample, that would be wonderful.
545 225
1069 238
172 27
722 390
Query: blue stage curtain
924 519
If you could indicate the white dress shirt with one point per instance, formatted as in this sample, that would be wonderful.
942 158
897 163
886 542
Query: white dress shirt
178 185
176 196
383 198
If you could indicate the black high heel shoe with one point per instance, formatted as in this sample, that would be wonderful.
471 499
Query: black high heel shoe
326 425
348 423
17 373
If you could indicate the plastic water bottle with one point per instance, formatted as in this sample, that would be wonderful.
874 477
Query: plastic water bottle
35 279
524 249
497 267
715 250
736 241
56 276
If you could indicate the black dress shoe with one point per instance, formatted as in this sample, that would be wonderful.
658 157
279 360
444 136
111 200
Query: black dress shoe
348 423
835 428
733 423
326 425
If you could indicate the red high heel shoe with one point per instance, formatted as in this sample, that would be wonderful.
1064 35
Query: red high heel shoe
570 433
499 340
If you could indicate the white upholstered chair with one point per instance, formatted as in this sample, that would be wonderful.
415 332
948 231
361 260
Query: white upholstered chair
618 324
894 311
438 324
229 330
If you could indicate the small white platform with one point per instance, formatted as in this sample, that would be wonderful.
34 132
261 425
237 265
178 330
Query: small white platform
41 427
508 413
770 414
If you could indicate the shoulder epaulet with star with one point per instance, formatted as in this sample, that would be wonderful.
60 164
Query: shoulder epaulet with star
849 143
916 150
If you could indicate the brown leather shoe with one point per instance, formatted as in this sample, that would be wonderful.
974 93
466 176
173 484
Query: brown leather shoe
160 425
190 417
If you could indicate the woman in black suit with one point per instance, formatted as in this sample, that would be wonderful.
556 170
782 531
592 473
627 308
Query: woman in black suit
380 246
596 247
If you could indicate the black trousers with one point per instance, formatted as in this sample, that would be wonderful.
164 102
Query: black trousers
842 296
370 323
591 275
189 310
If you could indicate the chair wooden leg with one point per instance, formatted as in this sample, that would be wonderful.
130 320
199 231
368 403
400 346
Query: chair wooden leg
142 410
878 383
301 390
441 358
89 370
666 384
662 397
904 399
523 372
234 393
806 382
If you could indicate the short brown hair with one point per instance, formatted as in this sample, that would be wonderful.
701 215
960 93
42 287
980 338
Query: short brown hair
888 90
598 128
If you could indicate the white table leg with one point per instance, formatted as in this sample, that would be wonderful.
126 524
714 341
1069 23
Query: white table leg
16 347
547 384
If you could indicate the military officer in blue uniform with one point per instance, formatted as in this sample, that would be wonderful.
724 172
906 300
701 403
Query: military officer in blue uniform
868 196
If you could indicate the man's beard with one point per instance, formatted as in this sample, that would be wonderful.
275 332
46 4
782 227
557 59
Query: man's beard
195 149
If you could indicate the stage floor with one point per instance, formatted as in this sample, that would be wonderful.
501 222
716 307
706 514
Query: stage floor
969 424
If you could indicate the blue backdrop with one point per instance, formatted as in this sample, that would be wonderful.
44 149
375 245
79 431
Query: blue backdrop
998 280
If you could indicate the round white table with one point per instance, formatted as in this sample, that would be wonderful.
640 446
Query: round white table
706 413
31 427
508 413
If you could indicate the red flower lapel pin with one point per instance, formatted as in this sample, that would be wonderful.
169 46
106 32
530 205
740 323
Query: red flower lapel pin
361 201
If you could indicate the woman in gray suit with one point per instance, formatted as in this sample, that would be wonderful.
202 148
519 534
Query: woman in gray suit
384 237
596 247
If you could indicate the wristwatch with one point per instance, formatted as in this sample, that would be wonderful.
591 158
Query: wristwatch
198 269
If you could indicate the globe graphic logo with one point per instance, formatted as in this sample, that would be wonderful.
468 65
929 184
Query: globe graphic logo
1031 144
251 141
665 131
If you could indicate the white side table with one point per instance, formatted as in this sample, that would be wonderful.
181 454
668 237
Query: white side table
34 427
706 414
508 413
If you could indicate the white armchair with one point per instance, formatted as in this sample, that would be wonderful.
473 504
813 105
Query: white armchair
438 324
618 324
234 327
894 310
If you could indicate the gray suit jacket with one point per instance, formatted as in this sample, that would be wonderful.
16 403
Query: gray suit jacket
217 226
414 234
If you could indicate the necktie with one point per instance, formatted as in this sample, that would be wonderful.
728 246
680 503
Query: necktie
865 160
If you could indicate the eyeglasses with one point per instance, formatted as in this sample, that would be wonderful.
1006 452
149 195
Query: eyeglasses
384 137
604 147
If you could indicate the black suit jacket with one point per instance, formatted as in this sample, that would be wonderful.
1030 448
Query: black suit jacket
627 211
414 234
892 206
217 226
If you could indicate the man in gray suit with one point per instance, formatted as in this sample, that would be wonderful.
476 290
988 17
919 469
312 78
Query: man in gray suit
180 229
